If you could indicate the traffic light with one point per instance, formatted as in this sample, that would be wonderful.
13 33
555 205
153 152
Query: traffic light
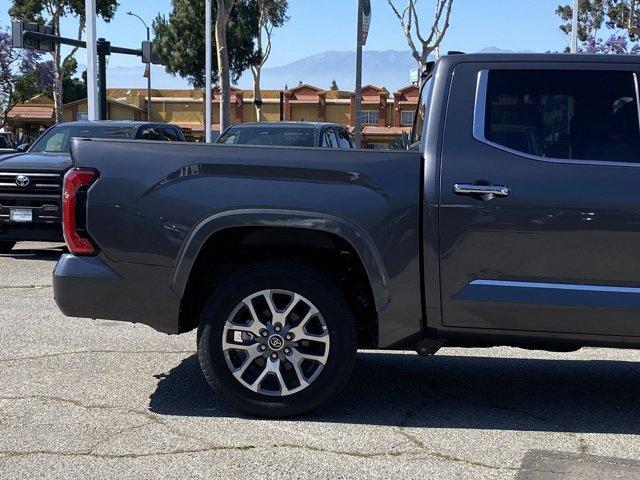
20 39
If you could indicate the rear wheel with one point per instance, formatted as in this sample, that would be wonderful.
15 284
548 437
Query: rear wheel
5 247
277 339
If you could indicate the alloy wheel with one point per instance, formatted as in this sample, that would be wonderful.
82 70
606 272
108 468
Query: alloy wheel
275 342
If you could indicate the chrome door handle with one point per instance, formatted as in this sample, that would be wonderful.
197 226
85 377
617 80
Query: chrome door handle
471 189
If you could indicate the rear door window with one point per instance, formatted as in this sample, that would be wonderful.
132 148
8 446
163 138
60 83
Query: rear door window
151 133
344 139
330 140
564 114
170 134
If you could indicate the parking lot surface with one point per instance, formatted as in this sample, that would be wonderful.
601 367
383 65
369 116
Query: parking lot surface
97 399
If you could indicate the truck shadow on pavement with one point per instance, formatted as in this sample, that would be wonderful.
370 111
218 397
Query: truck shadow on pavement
46 254
395 389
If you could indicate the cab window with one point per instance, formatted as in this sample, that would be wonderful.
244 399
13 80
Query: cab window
558 114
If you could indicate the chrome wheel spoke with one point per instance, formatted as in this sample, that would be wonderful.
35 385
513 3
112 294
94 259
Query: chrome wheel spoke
294 302
252 354
268 297
313 357
301 333
254 327
271 367
296 360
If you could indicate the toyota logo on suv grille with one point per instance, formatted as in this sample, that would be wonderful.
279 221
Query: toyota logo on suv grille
22 181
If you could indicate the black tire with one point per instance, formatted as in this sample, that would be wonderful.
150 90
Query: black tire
281 276
5 247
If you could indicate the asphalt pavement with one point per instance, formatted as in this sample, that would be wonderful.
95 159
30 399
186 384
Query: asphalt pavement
98 399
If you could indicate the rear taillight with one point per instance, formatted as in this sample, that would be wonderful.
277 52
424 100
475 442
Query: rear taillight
73 227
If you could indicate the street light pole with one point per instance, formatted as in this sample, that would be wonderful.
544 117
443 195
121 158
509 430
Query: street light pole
208 67
92 57
148 65
358 109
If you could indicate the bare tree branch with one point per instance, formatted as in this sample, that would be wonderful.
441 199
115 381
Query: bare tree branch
422 45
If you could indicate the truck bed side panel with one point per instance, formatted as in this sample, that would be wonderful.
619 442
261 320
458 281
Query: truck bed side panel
150 197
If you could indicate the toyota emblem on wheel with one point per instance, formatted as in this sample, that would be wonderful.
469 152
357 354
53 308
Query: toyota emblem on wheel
22 181
276 342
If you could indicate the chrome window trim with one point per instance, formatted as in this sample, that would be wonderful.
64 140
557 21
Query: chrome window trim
479 119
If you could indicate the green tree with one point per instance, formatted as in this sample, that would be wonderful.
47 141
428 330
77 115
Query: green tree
591 17
52 12
620 15
14 64
73 88
37 78
625 15
272 14
179 39
34 80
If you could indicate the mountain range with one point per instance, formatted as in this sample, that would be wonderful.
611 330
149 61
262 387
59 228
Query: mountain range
385 68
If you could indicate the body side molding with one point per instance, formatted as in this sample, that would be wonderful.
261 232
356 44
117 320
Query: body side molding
547 293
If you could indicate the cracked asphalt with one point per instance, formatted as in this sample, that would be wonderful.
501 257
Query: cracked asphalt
96 399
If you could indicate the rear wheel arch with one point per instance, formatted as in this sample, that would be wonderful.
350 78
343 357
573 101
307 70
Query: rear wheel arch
329 244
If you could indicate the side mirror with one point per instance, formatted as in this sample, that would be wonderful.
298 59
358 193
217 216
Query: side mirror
23 148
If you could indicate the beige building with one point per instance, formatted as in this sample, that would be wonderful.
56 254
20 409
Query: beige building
386 116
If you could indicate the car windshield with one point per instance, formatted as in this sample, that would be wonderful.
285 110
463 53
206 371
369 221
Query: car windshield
58 139
265 135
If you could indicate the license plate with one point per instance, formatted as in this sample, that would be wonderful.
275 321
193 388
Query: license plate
21 215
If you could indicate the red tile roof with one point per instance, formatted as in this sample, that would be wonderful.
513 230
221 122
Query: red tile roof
370 99
373 130
305 99
31 112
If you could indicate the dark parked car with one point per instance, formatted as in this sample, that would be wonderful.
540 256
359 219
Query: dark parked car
31 180
7 143
514 220
288 134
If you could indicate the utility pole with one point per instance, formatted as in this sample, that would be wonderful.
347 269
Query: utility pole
208 67
574 27
358 109
92 56
148 80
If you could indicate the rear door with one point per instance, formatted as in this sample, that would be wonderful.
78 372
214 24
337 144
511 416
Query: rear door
540 199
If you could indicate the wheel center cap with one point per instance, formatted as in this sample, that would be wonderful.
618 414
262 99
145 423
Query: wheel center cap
276 342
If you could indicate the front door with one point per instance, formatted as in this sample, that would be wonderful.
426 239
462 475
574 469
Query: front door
540 199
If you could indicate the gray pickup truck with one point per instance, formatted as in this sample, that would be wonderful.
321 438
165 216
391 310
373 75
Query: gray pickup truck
514 220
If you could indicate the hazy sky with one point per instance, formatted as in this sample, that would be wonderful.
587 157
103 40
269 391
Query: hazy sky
317 26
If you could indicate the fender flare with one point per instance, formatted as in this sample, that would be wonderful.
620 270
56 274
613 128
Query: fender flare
348 231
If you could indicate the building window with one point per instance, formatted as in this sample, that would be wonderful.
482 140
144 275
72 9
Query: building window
370 117
406 117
